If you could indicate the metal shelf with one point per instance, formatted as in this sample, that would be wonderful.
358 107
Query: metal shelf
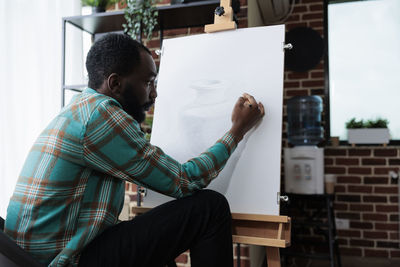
169 17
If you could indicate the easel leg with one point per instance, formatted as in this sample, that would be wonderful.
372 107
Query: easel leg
273 257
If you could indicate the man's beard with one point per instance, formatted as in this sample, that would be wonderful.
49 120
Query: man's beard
137 111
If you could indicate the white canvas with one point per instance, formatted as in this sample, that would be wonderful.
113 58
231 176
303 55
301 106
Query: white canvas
200 80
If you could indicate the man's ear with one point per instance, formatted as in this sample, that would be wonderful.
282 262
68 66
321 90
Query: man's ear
114 84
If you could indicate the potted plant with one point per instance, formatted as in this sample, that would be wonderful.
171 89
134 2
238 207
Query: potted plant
368 132
99 5
141 18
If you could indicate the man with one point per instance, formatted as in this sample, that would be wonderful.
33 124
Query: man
70 192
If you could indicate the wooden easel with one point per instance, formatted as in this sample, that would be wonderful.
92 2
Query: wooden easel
270 231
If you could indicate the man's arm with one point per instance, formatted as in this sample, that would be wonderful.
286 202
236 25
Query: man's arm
115 145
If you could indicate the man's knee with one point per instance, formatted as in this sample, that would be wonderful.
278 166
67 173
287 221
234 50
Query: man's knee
215 200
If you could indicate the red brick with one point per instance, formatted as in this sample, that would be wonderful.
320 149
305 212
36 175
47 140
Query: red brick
394 162
340 189
298 75
340 206
342 241
174 32
384 170
296 92
395 253
381 199
376 253
387 244
386 189
153 43
394 199
360 170
374 217
242 23
394 236
290 26
361 207
350 251
361 243
359 152
194 30
348 215
316 7
291 85
242 13
387 208
335 170
349 233
376 180
328 161
348 179
294 18
311 1
335 152
387 226
373 161
348 198
314 83
347 161
243 263
299 9
361 225
316 24
385 152
313 16
317 74
244 250
359 189
320 92
375 234
394 217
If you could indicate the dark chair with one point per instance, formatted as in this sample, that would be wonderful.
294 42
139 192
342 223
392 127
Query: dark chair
12 255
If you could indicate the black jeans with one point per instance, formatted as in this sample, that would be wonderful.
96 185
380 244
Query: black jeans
201 223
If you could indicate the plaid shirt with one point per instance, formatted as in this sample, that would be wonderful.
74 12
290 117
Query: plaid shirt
72 184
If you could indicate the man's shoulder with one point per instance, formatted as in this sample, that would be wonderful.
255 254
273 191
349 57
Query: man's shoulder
86 103
93 99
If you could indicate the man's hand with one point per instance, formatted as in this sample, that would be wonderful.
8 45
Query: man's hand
246 113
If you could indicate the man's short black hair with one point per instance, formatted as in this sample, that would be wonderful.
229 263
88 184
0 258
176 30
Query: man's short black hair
113 53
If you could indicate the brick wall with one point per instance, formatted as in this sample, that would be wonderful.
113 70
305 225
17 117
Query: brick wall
364 192
368 198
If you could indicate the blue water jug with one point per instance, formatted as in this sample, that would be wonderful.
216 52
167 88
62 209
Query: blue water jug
304 120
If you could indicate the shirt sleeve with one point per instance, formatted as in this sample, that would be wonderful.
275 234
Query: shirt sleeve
113 143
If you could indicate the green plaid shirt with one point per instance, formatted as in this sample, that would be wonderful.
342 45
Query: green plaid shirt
72 184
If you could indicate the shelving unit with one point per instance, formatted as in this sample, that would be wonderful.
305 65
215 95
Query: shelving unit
169 17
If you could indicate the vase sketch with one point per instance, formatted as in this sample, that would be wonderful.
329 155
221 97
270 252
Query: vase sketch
205 119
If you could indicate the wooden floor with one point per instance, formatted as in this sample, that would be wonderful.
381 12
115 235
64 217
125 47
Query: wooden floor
353 262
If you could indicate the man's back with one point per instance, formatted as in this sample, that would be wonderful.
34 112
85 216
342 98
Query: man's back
61 202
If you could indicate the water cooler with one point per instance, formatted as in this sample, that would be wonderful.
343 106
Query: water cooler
304 163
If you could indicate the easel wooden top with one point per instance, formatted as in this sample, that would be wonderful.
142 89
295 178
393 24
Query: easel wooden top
270 231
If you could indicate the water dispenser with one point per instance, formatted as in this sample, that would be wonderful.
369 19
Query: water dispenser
304 163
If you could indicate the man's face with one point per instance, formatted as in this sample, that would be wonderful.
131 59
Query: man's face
138 89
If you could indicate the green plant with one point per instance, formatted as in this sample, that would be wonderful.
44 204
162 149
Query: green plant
354 124
99 3
141 18
377 123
